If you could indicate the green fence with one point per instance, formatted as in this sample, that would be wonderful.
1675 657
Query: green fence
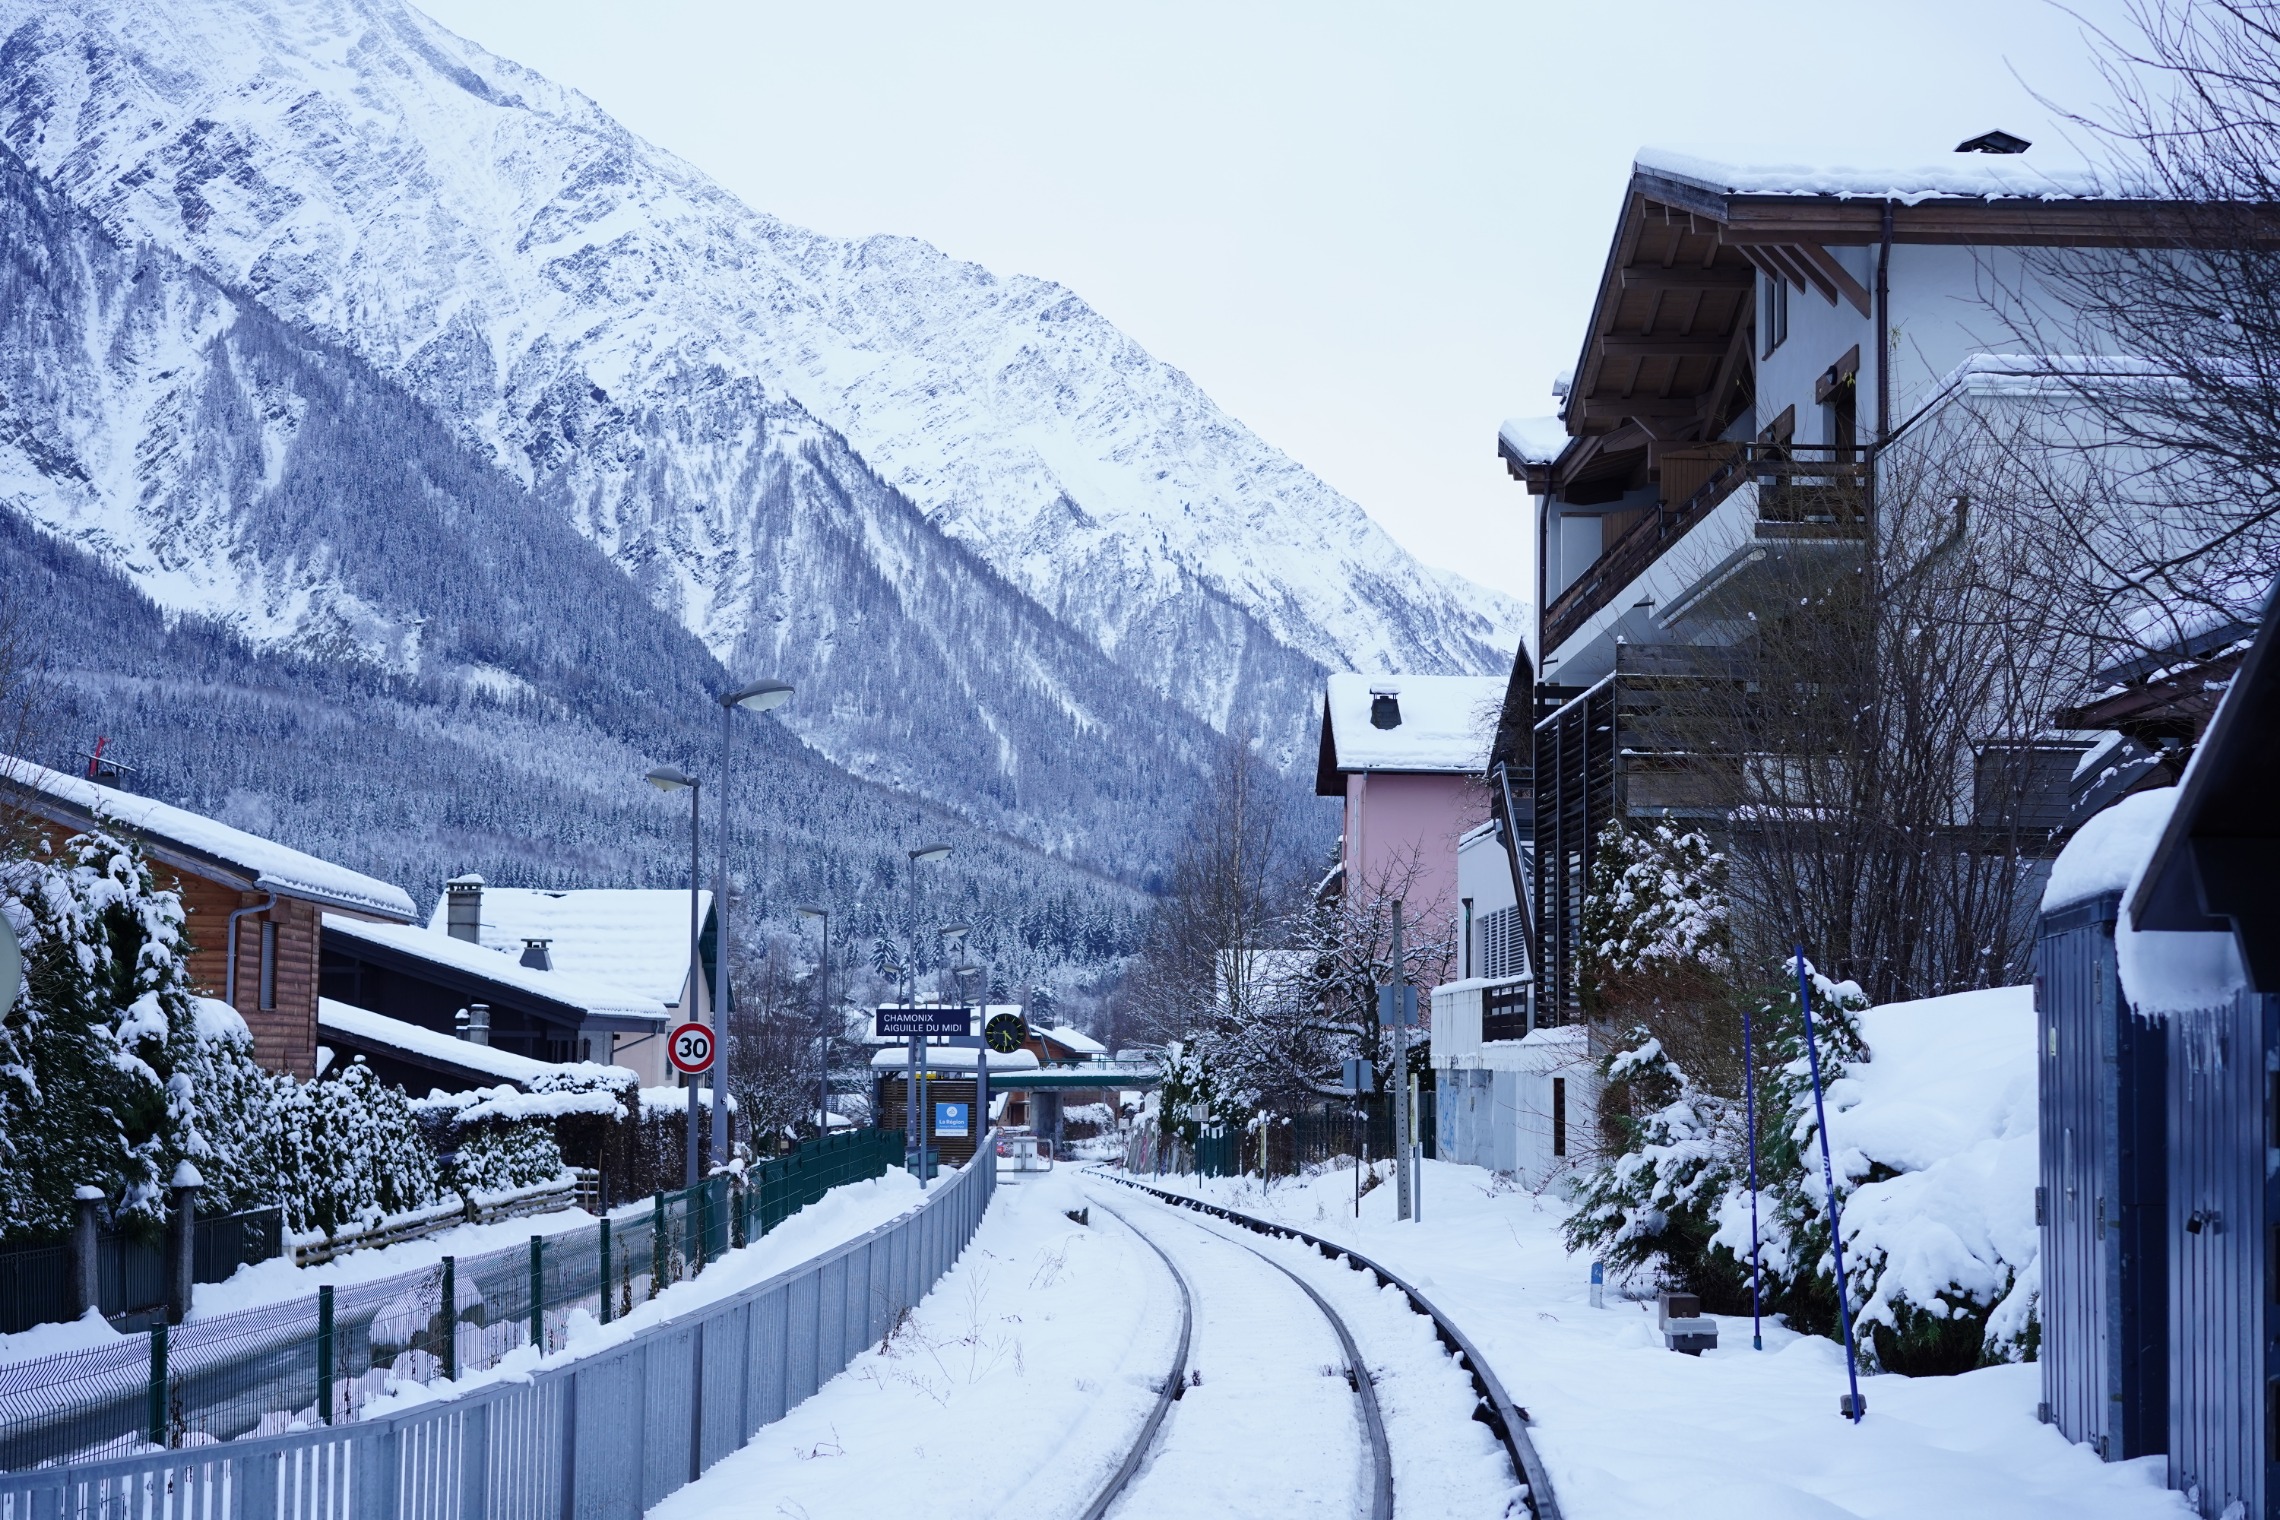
1284 1145
321 1359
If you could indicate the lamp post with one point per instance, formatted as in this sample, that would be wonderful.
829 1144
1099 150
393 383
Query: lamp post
759 696
823 1032
914 1114
666 778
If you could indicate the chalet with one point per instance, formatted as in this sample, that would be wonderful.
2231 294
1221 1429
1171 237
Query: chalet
254 907
392 991
1739 378
632 938
1406 754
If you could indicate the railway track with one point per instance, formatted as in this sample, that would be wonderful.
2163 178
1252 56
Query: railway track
1492 1406
1292 1368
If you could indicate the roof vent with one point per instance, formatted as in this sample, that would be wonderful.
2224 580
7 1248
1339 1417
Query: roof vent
535 954
1385 709
1993 142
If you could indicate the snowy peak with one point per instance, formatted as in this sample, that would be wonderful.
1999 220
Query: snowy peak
557 288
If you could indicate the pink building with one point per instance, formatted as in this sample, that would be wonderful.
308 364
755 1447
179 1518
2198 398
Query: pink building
1407 753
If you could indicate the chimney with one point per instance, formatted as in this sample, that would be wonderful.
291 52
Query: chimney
474 1023
535 954
463 908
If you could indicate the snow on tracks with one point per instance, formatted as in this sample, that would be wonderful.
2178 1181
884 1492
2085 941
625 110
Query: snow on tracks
1230 1450
1438 1460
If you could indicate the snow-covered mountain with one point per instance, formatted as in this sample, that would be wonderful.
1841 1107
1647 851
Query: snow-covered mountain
686 378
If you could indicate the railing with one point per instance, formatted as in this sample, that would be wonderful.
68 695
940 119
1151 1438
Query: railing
1292 1143
1804 491
606 1435
38 1284
321 1358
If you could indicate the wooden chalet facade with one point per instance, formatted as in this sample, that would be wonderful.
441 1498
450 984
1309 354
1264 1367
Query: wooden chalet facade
1737 382
254 908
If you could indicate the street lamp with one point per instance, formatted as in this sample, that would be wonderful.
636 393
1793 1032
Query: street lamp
823 1035
914 1112
667 778
759 696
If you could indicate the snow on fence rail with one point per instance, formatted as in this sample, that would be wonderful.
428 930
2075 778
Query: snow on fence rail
318 1360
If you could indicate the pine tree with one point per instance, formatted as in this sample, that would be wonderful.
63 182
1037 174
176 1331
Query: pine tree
102 1040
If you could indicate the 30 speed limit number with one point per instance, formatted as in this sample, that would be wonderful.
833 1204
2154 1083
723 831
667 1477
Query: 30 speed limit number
690 1049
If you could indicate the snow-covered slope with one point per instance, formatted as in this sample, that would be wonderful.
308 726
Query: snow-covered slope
618 330
240 468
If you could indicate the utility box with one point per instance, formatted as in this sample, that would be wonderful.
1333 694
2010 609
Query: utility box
2103 1192
1685 1327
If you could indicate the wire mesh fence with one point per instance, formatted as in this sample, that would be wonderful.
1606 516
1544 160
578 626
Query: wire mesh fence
605 1436
39 1285
319 1360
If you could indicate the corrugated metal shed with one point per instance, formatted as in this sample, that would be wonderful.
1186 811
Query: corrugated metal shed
2102 1193
2199 947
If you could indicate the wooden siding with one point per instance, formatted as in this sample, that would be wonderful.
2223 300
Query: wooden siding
284 1037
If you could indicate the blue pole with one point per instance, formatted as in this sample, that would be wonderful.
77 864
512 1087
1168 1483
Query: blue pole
1829 1181
1749 1100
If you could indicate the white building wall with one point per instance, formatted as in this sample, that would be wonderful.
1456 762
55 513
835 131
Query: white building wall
1526 1108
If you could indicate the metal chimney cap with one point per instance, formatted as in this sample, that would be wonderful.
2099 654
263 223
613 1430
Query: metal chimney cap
468 883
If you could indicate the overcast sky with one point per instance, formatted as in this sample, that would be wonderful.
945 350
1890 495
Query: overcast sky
1369 231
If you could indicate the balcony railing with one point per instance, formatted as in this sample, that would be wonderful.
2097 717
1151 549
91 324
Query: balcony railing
1804 491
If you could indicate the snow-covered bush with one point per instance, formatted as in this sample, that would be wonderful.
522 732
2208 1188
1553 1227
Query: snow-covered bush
1933 1108
1193 1078
345 1150
1655 905
1650 1211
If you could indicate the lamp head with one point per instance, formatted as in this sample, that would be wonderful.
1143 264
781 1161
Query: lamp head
667 778
760 696
811 910
955 932
931 852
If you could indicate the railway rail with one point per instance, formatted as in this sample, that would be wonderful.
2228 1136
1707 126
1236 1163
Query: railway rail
1493 1407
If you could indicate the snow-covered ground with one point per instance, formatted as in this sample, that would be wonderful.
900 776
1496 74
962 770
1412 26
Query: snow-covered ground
1629 1429
1019 1384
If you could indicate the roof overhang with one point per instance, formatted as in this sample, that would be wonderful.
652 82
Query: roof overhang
187 860
459 979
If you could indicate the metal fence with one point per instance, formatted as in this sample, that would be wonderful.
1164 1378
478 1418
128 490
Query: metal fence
607 1435
320 1359
1285 1145
39 1284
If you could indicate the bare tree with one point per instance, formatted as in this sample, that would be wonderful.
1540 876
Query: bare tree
1871 736
2163 483
1226 906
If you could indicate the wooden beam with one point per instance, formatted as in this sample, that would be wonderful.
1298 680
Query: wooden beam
1672 346
1724 277
1799 273
1617 409
1820 258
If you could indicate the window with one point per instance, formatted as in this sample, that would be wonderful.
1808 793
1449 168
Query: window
1774 296
1559 1116
268 964
1468 939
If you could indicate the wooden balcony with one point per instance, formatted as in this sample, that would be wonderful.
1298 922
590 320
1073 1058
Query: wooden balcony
1804 491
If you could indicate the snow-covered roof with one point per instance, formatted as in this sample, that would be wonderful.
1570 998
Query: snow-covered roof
589 993
629 937
1533 440
1083 1044
1962 175
274 867
2106 853
952 1058
378 1029
1446 722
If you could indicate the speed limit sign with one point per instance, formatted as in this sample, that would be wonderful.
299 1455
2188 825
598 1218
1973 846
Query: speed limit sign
690 1049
